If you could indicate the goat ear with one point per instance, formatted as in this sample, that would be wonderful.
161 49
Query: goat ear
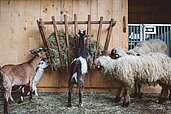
84 32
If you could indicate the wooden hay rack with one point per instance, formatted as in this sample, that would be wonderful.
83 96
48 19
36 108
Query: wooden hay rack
75 23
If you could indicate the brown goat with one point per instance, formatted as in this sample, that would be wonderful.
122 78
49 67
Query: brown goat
21 74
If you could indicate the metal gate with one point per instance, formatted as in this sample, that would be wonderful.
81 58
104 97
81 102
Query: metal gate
142 32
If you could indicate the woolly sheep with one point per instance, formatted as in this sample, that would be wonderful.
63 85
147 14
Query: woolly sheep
149 69
153 45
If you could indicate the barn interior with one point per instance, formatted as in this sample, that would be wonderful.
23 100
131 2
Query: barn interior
149 12
154 17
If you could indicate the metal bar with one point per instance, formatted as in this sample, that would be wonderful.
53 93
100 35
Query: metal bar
108 37
76 30
88 31
57 42
67 39
79 22
98 38
46 44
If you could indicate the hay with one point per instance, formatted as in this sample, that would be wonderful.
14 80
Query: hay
96 103
62 38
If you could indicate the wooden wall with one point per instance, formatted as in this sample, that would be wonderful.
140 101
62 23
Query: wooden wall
19 33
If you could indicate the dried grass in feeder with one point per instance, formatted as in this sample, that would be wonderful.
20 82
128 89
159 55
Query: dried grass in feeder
62 39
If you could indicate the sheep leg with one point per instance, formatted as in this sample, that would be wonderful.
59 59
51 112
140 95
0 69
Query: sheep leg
169 93
70 85
119 94
140 94
126 98
136 90
80 86
164 94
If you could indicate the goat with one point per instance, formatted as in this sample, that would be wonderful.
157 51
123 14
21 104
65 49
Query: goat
78 69
39 72
20 75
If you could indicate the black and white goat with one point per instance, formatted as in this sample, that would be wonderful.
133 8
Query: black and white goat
78 68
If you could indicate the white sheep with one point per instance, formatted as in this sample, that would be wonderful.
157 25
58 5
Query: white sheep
152 45
149 69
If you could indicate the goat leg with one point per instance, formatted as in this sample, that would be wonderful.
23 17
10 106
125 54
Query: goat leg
80 86
30 89
7 95
5 106
70 85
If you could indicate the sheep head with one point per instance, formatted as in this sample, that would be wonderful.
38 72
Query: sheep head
102 62
117 53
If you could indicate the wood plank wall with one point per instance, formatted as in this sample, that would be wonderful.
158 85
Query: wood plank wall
19 33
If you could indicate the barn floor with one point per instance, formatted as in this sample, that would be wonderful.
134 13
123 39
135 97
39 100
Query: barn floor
93 103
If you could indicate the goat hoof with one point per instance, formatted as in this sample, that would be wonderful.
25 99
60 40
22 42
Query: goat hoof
170 97
69 105
20 102
117 99
125 104
162 100
80 105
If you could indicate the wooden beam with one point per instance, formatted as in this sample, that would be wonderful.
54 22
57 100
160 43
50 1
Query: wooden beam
67 39
76 30
46 44
98 38
79 22
58 42
112 23
88 31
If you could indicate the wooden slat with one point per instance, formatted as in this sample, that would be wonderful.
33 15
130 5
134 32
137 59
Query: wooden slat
88 31
76 30
67 39
108 37
98 38
72 22
46 44
58 42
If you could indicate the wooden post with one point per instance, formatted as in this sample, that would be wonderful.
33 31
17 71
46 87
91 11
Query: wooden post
42 32
112 23
98 38
67 39
88 31
76 30
57 41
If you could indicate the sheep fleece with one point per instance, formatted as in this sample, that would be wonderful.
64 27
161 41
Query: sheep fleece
147 68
